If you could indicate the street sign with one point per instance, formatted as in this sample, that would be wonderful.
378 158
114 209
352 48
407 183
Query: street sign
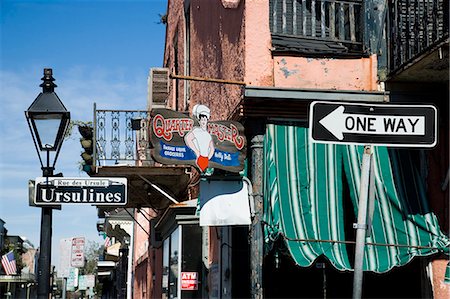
77 252
65 250
92 191
72 280
376 124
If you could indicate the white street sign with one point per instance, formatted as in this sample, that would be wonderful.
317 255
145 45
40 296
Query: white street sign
77 255
380 124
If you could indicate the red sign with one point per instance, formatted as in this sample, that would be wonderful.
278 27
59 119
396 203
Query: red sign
189 281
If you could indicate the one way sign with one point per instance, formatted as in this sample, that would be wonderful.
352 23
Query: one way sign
377 124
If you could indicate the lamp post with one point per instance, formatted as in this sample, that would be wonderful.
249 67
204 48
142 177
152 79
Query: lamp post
48 120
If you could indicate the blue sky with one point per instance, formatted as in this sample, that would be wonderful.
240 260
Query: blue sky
100 51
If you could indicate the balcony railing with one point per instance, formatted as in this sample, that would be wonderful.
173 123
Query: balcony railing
414 27
121 137
317 27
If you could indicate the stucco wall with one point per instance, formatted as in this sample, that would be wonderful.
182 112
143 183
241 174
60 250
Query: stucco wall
263 69
258 44
441 290
141 239
326 73
142 275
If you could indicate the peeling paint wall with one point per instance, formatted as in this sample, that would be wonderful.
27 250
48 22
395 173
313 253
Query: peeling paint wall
258 44
441 290
174 52
217 49
326 73
264 69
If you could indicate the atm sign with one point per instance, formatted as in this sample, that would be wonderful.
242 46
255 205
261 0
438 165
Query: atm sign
189 281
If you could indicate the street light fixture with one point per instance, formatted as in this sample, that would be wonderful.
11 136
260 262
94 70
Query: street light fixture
48 120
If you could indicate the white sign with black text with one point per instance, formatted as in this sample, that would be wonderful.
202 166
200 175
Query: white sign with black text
93 191
377 124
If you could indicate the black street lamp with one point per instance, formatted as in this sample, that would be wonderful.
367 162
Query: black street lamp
48 120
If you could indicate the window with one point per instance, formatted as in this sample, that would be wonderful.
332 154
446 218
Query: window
171 256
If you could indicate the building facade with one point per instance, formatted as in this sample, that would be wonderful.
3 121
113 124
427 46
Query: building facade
262 63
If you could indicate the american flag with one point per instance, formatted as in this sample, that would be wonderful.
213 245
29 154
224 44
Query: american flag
9 263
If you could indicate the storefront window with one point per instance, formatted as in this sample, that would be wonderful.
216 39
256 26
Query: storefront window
165 273
182 254
171 265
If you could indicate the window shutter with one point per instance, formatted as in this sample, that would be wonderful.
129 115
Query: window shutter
158 88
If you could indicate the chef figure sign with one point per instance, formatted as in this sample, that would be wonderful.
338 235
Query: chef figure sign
199 140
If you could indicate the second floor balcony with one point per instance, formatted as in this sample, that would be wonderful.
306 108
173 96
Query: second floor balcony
416 29
317 27
400 32
123 149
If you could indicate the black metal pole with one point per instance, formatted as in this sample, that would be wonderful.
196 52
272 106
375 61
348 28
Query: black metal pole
45 254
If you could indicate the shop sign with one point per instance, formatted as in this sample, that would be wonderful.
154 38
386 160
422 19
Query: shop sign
73 190
224 202
189 281
180 139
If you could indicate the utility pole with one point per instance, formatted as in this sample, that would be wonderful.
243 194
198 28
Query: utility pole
256 233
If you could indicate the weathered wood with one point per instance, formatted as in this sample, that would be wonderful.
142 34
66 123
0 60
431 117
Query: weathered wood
352 22
294 17
322 19
341 21
332 13
304 17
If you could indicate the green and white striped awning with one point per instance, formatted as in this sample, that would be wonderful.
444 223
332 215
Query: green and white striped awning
303 203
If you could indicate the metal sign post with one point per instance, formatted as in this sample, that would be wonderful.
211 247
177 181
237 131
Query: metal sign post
362 226
374 124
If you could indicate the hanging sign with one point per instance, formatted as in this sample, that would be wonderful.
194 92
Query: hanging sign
179 139
377 124
224 202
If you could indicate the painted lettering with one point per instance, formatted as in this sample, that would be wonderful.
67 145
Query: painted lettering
371 124
413 124
165 128
389 124
401 125
349 123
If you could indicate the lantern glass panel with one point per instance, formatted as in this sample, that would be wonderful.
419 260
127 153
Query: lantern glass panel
47 127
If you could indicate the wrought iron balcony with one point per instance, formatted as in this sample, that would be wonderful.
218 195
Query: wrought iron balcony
415 27
317 27
122 148
121 137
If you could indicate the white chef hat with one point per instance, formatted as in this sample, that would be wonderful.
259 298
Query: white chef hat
200 109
